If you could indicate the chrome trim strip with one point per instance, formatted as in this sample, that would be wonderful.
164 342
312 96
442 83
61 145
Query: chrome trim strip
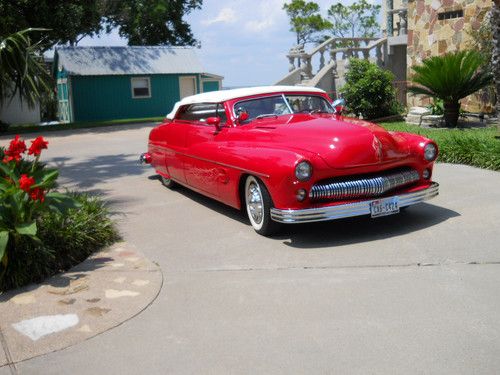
363 187
350 209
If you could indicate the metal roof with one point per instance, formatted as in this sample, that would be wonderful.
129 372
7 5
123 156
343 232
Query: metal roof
92 61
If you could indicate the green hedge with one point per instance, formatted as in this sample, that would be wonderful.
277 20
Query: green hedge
65 240
369 90
477 147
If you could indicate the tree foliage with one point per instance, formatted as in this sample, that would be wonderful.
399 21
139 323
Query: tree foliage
65 21
142 22
22 70
369 91
481 39
356 20
305 20
153 22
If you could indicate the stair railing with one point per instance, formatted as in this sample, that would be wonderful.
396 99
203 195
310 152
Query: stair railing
311 63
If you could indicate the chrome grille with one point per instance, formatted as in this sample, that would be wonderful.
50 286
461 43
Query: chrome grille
363 187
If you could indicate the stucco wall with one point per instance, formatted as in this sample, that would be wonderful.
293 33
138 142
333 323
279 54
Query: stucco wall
17 112
429 36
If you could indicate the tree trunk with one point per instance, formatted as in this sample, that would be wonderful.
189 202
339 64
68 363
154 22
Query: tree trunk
451 112
495 26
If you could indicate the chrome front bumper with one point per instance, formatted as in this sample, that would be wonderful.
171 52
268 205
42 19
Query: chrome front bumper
350 209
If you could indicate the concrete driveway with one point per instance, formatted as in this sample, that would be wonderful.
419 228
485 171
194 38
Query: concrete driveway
407 294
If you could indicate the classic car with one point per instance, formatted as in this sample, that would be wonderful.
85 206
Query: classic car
285 154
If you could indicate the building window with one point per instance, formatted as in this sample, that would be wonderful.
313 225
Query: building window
450 14
141 87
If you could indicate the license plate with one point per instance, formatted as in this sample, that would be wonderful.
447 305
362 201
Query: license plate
384 207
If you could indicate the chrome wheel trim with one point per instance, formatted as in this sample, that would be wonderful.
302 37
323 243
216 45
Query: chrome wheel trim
254 202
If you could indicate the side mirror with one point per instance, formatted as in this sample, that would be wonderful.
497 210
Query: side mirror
215 121
339 105
242 115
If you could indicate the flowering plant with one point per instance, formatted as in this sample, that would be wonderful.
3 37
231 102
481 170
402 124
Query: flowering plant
25 192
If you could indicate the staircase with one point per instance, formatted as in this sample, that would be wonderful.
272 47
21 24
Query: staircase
311 69
325 65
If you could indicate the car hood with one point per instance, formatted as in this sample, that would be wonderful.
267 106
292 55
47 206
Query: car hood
341 142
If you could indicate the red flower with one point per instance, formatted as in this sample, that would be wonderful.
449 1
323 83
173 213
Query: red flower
37 146
37 194
26 182
16 148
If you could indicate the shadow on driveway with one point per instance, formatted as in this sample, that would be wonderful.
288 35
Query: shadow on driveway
343 231
91 172
365 229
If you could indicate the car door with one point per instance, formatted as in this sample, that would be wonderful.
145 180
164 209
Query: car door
203 165
175 148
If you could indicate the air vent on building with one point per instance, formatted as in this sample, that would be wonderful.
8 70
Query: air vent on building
450 14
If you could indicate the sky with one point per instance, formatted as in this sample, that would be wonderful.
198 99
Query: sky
246 41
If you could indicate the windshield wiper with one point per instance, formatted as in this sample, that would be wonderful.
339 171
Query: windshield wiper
317 111
266 115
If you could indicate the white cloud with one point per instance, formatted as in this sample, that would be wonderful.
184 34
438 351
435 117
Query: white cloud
259 25
226 15
267 14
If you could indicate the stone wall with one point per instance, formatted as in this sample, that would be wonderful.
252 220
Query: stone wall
430 36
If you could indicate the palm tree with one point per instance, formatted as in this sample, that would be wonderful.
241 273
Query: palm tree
450 78
22 70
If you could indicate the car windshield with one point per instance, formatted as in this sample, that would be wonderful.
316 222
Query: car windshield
272 106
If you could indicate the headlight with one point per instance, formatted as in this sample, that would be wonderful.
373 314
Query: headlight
303 171
430 152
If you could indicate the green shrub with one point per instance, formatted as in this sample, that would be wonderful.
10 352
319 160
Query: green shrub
369 90
436 107
476 147
65 240
4 127
37 224
79 233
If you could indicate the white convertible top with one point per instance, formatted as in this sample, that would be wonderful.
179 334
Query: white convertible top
223 95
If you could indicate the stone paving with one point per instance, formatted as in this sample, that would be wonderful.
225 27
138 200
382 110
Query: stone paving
104 291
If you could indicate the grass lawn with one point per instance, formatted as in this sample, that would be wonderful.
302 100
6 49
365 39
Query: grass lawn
30 128
477 147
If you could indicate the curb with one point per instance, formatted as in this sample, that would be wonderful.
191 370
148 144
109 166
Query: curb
101 293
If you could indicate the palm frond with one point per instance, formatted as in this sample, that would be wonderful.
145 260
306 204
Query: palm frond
452 76
421 90
22 70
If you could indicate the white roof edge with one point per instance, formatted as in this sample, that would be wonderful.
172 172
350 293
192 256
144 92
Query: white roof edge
213 76
224 95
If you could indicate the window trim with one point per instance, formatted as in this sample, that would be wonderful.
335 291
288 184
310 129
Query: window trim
132 79
199 122
283 95
450 14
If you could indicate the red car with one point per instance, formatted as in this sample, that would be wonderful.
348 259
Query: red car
285 154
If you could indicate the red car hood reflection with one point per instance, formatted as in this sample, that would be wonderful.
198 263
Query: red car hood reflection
342 142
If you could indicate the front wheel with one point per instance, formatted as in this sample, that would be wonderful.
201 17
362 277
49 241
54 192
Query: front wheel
258 203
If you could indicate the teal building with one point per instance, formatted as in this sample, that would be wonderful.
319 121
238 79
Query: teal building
110 83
